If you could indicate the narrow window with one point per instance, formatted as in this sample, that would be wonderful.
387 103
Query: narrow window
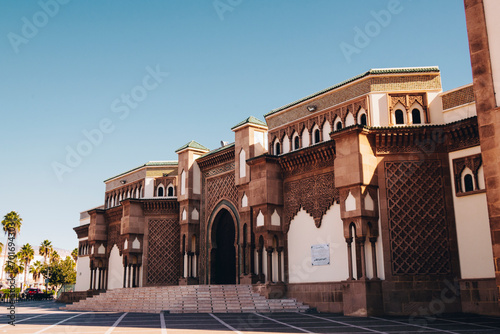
296 143
469 183
160 192
415 113
399 117
170 191
277 149
316 136
363 119
339 126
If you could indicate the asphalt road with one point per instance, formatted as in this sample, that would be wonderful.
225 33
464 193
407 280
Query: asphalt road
45 317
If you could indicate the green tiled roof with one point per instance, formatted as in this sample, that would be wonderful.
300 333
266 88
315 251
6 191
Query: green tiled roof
217 150
359 76
147 164
252 120
192 144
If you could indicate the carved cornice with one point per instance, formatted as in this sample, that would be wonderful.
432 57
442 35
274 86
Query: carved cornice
82 231
212 159
312 157
114 214
462 134
160 206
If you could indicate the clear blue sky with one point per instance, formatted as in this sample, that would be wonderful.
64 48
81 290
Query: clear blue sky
64 73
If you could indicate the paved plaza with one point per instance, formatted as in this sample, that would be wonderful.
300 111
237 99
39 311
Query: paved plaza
45 317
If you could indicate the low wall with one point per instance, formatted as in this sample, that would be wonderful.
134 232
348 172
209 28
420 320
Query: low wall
324 296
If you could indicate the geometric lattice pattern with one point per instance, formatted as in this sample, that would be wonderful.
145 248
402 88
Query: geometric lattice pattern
220 187
418 229
315 194
163 252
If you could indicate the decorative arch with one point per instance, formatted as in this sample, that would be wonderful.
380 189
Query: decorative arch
210 241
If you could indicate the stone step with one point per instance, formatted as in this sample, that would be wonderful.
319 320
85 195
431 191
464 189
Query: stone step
187 299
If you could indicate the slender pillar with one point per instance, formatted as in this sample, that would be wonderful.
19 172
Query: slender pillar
125 276
182 264
91 276
134 268
279 249
244 251
361 241
197 255
128 283
99 279
349 256
269 264
374 257
260 264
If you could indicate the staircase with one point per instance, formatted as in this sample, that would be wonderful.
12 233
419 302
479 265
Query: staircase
186 299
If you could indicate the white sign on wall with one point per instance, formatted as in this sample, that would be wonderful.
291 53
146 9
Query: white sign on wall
320 254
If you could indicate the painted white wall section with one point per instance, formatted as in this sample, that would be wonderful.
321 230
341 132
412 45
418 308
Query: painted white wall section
473 229
369 203
243 163
244 201
491 10
460 112
349 120
379 110
435 109
260 219
82 274
85 221
125 244
275 219
305 138
136 244
183 182
149 187
326 131
115 272
303 234
350 203
259 140
195 215
196 179
286 144
101 249
183 214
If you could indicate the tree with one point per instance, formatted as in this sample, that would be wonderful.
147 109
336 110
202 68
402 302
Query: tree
1 246
62 272
14 268
36 270
11 223
54 257
26 254
45 249
74 254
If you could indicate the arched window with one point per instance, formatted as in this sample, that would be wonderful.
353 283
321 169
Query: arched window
277 148
468 183
296 143
170 191
415 115
317 136
399 116
362 119
338 126
160 191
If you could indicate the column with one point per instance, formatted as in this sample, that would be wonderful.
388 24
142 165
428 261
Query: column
128 283
361 241
374 257
349 256
280 250
91 276
182 264
125 276
269 251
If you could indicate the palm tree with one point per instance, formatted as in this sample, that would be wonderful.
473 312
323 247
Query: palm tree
45 249
36 270
26 254
54 257
14 268
11 223
74 254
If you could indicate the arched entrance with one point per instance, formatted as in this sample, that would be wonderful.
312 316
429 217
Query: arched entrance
223 255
